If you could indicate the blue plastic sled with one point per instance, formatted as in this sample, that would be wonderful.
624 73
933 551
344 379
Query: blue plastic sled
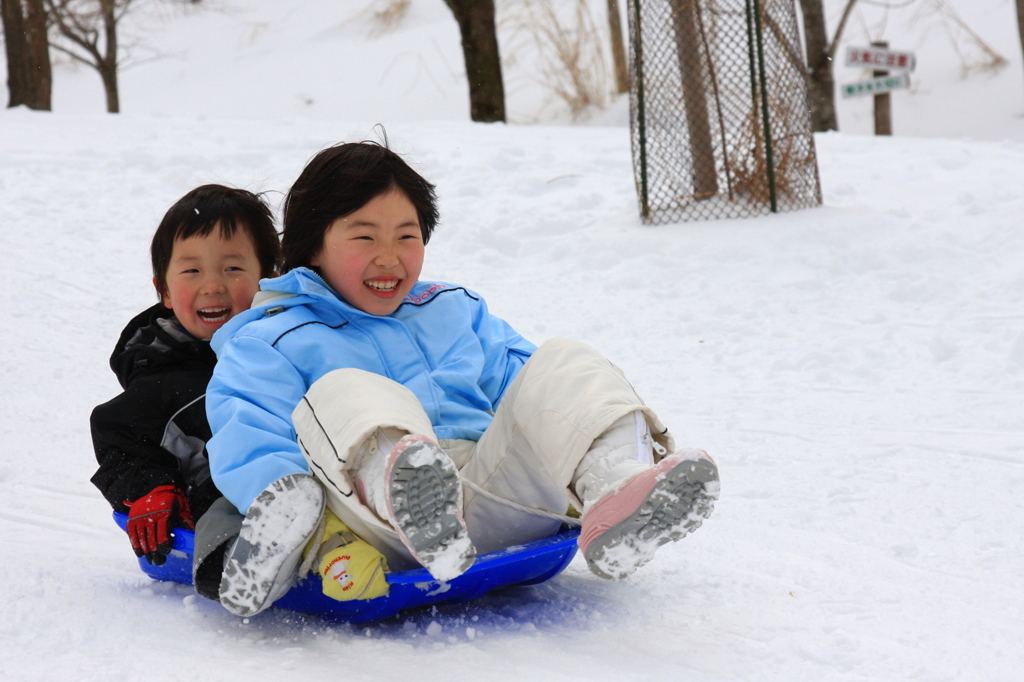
527 564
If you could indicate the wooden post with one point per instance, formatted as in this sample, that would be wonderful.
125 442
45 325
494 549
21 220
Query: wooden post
883 104
618 48
692 70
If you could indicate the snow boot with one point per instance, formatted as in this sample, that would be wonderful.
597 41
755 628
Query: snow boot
624 450
261 565
413 485
625 526
632 506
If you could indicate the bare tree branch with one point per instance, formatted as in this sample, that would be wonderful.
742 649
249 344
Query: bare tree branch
84 24
839 29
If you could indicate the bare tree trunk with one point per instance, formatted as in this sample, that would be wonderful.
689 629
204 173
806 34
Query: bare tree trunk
619 47
820 84
693 70
1020 21
29 79
39 46
108 64
483 61
16 44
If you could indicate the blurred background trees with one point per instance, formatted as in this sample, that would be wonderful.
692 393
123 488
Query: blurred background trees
563 49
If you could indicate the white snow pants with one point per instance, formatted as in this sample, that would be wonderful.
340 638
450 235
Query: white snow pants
565 396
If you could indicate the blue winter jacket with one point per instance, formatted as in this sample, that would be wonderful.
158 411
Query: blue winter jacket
441 343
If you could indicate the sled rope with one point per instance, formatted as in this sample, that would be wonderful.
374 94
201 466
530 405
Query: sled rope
567 520
318 536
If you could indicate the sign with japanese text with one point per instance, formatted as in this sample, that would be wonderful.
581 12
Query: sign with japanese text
877 86
880 58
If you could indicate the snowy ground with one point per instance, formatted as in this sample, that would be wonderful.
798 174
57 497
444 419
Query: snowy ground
857 370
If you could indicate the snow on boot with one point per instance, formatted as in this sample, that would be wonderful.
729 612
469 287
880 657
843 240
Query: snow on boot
625 526
415 486
260 567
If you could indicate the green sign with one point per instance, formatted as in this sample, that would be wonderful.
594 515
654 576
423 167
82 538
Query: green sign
877 86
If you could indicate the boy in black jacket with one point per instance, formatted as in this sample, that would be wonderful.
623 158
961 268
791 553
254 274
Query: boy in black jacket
209 253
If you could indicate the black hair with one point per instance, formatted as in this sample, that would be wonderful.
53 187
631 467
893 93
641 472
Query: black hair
339 181
203 209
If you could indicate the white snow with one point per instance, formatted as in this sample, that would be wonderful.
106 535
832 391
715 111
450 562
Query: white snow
856 370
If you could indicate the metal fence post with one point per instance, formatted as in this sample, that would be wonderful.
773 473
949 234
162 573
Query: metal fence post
641 117
768 152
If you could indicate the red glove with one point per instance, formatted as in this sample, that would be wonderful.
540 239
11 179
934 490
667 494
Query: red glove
151 519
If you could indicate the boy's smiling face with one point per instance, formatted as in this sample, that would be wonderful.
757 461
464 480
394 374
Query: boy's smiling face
373 257
211 279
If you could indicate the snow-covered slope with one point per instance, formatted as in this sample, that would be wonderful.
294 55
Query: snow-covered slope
857 370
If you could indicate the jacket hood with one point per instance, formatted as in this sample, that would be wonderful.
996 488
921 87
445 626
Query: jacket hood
299 281
303 286
296 287
153 339
303 281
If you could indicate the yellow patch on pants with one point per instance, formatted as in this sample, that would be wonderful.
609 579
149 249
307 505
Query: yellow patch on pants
349 568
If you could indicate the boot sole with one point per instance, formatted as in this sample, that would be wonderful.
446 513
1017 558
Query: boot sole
423 495
261 564
662 505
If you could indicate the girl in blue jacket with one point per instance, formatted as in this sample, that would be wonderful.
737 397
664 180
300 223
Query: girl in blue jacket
427 425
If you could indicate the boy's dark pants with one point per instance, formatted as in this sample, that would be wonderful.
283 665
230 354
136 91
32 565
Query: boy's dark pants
215 531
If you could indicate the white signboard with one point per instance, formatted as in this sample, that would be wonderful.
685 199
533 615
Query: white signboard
877 86
880 58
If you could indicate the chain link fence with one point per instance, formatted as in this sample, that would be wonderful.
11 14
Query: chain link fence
720 120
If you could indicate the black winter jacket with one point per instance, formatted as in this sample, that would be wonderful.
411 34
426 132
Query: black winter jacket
155 432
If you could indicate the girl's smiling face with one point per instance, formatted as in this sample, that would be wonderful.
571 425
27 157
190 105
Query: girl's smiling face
373 256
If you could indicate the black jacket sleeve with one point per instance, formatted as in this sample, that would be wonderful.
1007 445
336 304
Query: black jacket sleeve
126 435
